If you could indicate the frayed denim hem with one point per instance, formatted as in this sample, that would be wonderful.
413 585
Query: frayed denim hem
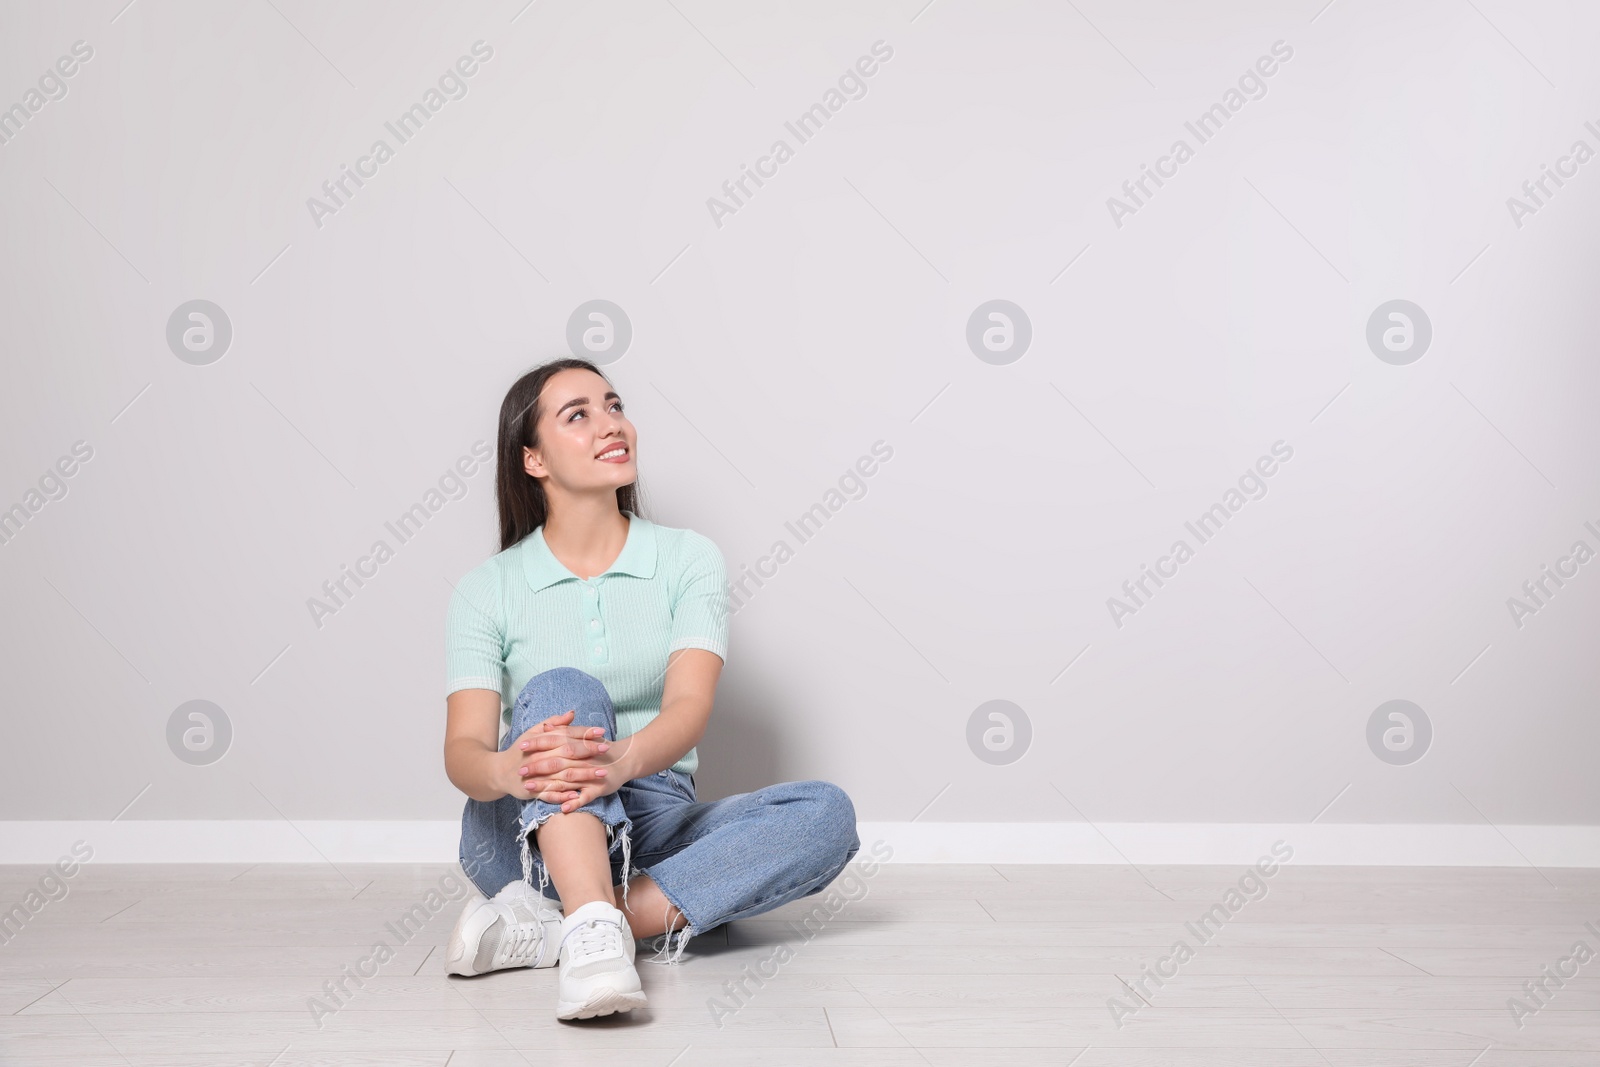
666 954
665 951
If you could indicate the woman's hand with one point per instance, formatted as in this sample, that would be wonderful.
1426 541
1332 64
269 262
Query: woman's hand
598 776
560 763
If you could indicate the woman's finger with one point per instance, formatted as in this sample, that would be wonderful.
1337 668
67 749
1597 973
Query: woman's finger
585 795
555 766
578 734
554 724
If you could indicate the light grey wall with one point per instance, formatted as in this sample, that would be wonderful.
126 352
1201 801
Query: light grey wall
772 345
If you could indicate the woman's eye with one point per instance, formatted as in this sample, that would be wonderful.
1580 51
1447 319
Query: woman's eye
579 411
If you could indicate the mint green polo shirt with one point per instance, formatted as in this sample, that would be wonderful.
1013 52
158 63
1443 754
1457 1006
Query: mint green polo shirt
522 612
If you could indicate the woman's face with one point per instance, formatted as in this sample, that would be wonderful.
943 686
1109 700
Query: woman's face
582 421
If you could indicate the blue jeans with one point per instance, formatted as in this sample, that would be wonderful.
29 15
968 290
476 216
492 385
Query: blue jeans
715 861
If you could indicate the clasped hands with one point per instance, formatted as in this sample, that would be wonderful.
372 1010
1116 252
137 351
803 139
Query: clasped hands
564 764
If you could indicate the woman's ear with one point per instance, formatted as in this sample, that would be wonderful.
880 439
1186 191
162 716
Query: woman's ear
531 464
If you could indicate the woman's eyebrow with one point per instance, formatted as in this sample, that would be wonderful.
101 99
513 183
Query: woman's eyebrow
583 400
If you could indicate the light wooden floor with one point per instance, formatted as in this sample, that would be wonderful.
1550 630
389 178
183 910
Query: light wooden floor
944 965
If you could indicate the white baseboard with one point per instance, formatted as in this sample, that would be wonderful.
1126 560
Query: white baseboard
1339 844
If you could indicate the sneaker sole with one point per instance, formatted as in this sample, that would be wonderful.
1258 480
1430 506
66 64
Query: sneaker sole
600 1002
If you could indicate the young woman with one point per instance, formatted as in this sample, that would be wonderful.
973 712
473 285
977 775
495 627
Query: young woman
583 659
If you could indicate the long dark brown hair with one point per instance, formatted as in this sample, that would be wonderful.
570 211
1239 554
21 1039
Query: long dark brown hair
521 499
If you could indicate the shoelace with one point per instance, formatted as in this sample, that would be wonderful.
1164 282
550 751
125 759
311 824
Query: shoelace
523 942
596 937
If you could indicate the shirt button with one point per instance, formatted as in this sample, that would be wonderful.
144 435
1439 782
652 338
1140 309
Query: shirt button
598 649
594 624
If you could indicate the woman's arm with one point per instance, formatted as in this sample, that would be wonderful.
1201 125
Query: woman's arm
686 700
472 756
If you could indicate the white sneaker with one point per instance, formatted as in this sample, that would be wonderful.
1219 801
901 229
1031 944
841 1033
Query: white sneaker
597 973
518 928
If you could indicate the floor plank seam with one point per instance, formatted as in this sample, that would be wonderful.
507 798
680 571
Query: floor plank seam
1407 962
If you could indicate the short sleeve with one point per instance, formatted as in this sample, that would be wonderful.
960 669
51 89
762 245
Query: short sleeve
474 635
700 612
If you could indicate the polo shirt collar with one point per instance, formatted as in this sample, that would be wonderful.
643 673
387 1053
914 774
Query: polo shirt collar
638 556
